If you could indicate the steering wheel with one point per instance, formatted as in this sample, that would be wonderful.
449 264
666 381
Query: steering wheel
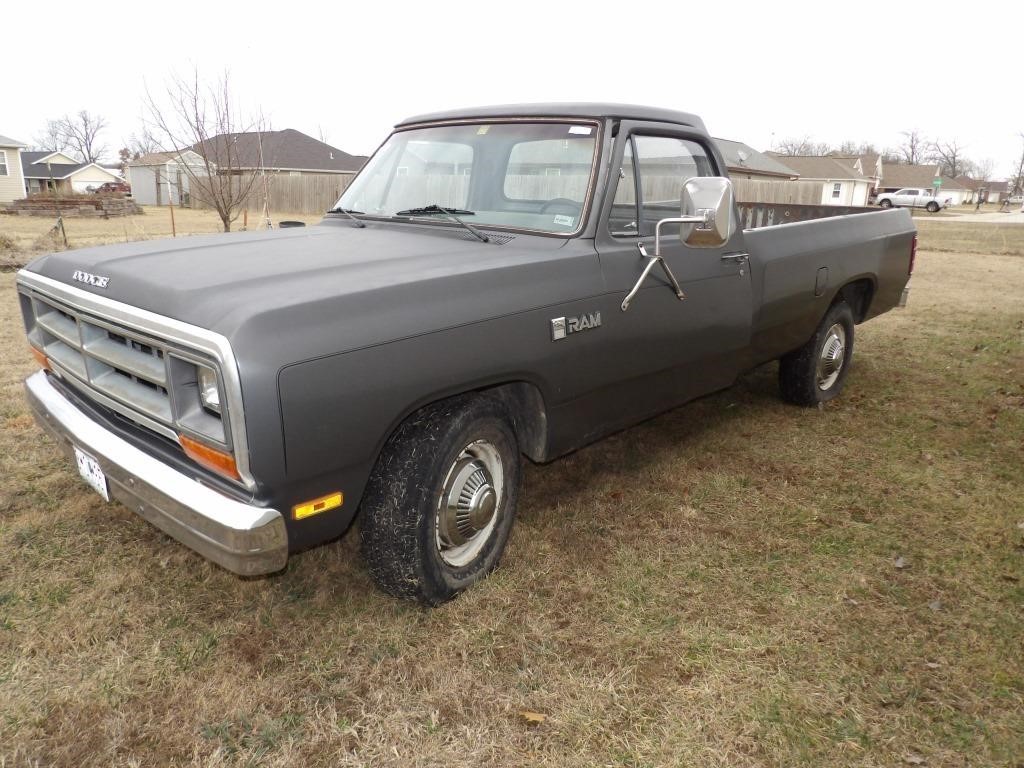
562 201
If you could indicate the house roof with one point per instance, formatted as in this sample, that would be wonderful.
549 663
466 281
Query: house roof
32 168
161 158
8 142
868 162
819 167
282 150
910 175
742 157
995 186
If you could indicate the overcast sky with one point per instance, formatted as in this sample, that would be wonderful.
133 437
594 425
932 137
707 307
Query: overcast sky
830 71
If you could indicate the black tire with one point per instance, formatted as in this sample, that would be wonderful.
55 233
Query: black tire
800 380
932 207
401 525
886 203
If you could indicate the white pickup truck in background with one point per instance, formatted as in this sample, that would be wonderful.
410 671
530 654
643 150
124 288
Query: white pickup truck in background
913 198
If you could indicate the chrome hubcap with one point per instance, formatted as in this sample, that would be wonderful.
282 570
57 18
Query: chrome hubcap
468 503
833 353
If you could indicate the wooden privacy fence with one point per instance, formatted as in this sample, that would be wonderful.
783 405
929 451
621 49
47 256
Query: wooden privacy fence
765 191
315 193
308 194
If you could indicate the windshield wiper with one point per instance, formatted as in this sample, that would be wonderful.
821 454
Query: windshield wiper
448 213
348 212
426 210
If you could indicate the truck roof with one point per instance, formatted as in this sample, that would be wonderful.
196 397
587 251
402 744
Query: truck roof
598 110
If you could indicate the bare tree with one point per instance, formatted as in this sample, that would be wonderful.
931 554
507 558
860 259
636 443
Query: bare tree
804 146
950 157
1017 180
52 138
982 170
204 119
81 134
913 149
850 148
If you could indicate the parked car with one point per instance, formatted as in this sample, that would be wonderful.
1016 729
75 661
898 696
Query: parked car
461 306
110 187
913 197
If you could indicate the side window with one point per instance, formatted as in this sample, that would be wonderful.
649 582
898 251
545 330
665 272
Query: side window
837 190
3 162
622 219
664 164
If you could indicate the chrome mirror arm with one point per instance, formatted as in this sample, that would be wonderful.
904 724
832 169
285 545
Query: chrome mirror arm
701 219
651 261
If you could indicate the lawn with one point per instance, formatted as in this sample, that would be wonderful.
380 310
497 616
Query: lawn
26 236
736 583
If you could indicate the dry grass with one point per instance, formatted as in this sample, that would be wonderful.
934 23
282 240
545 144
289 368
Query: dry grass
32 235
715 587
968 237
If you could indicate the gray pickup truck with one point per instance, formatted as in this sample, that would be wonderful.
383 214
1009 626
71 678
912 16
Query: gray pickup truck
496 282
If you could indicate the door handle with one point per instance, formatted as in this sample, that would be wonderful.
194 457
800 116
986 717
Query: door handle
737 257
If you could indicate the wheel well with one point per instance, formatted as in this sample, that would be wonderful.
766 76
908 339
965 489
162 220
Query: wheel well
858 295
525 404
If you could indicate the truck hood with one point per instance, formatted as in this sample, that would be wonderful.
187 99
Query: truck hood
433 276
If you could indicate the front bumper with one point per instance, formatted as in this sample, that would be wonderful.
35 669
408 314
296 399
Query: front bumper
245 539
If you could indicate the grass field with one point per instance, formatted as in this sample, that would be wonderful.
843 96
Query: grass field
736 583
30 235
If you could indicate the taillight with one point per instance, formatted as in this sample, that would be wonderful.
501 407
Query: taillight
913 254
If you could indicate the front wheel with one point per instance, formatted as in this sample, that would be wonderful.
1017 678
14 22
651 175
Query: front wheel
815 372
886 204
439 507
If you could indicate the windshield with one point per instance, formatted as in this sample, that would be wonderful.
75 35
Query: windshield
524 175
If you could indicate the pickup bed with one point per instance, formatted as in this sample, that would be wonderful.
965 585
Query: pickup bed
496 282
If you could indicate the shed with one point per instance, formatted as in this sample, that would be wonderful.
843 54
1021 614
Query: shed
161 178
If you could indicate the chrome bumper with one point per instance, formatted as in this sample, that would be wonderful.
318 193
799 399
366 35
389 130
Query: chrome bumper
245 539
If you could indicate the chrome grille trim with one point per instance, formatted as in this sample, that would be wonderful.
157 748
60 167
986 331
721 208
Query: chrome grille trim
114 361
148 328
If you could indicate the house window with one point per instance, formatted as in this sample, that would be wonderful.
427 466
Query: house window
3 162
837 189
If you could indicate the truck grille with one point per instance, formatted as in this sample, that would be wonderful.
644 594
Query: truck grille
141 377
112 361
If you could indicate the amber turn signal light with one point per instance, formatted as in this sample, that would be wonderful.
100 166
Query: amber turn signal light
316 506
211 458
42 359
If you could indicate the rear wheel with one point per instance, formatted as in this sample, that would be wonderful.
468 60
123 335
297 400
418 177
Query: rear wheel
932 207
439 507
886 203
815 372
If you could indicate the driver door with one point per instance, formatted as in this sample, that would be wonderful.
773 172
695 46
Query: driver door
665 350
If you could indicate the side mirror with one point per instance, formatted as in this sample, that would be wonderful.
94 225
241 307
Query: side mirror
709 199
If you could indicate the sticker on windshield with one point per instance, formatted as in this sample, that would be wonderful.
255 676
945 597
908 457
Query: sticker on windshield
564 221
582 130
482 130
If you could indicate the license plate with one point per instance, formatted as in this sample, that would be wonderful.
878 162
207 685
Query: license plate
90 471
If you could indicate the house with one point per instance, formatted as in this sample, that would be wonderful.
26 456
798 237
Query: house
745 162
162 178
842 184
12 181
899 176
289 151
994 191
869 164
57 172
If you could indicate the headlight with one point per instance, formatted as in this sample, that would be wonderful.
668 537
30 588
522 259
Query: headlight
209 393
